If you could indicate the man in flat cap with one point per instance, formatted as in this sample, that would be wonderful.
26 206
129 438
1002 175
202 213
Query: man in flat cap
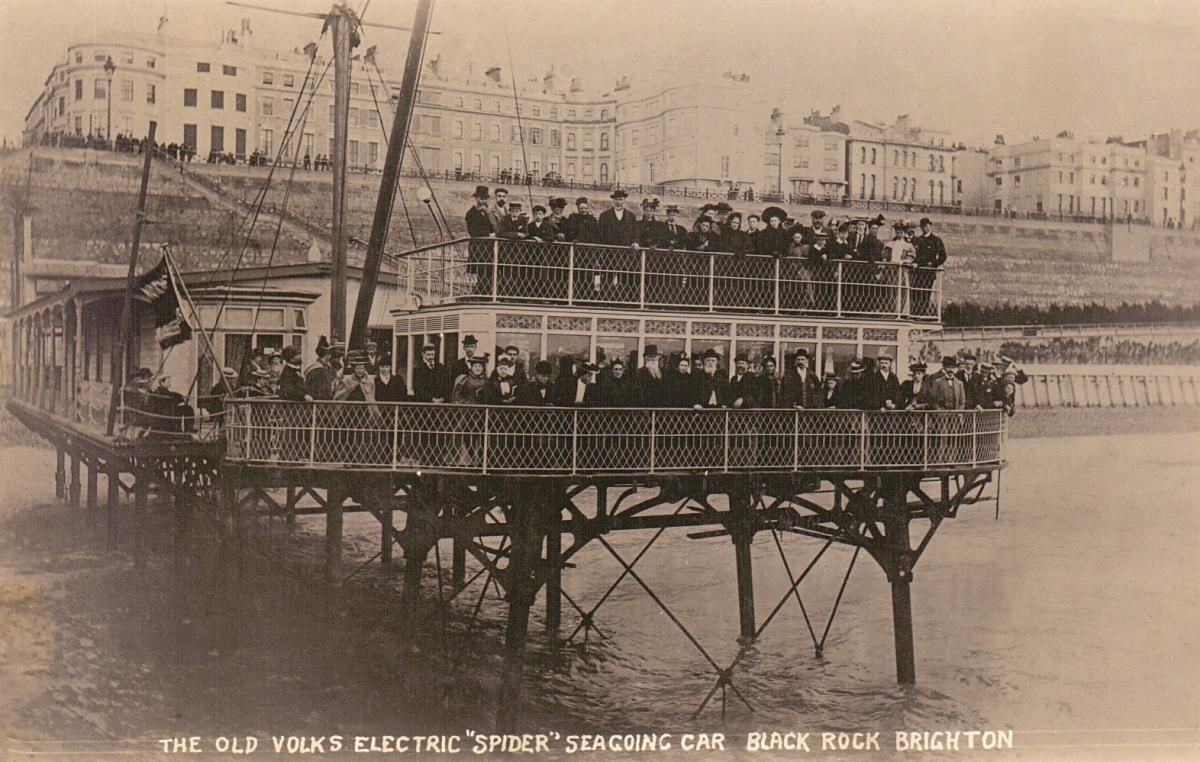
540 227
817 228
513 226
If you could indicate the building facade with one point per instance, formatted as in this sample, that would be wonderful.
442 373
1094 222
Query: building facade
699 135
1182 150
806 158
1098 178
972 192
899 162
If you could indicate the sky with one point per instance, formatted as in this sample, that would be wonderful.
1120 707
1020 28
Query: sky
1021 68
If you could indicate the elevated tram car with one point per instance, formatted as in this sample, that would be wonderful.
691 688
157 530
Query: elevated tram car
521 490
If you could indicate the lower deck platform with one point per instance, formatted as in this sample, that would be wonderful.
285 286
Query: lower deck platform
520 532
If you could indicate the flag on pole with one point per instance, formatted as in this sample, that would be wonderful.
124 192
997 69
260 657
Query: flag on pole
158 288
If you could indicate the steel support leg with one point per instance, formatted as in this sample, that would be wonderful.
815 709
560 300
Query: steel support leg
74 488
141 490
93 497
900 575
553 581
385 537
333 536
60 474
458 563
110 509
741 531
527 525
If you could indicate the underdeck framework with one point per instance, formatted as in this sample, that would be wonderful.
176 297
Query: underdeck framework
518 533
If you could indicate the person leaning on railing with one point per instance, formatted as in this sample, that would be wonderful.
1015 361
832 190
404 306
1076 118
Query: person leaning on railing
214 402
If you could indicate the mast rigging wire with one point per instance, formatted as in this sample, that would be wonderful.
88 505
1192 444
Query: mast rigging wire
512 70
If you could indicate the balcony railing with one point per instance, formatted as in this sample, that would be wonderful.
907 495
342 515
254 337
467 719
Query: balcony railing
501 270
141 415
568 441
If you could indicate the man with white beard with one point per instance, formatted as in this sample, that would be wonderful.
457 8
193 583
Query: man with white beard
650 380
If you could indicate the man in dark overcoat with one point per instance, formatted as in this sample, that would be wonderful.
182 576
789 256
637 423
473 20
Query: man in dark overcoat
430 377
800 388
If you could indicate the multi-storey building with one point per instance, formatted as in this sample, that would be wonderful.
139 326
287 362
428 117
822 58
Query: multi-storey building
699 135
899 162
233 98
75 97
971 189
1183 150
469 122
806 158
1101 179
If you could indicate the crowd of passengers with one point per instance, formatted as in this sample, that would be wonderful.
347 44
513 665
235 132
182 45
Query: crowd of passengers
671 381
660 382
718 229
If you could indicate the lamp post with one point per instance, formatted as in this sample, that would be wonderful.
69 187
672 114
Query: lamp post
779 134
109 68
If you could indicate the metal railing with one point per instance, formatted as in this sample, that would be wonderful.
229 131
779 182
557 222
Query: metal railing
568 441
495 270
140 414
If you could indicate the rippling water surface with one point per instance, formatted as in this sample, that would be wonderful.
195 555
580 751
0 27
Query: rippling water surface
1077 610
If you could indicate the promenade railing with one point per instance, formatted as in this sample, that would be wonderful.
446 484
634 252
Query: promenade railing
502 270
570 441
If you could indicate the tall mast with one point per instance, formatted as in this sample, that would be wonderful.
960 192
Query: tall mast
391 171
342 24
120 353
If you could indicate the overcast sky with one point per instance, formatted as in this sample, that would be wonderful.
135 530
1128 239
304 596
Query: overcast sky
974 67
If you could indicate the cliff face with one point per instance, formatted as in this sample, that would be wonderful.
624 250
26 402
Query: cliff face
81 205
